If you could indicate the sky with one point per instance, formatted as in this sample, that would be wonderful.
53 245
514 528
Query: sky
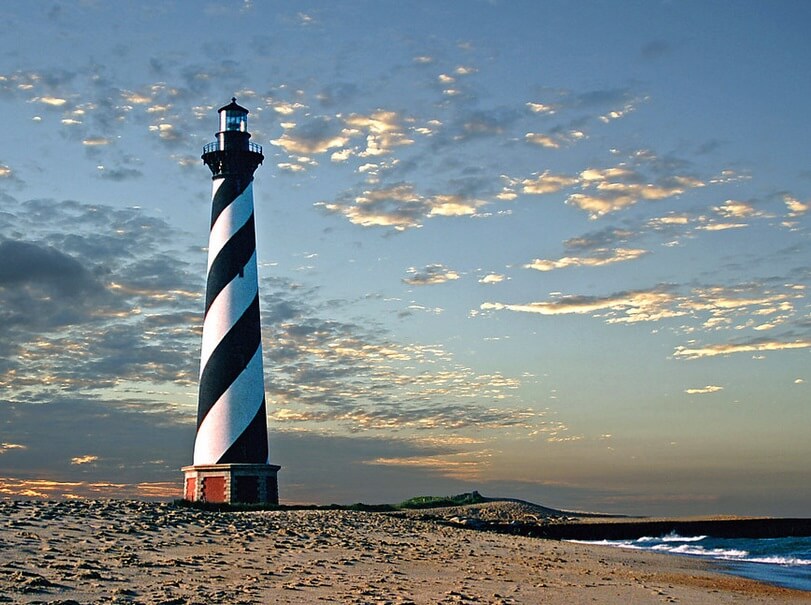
546 250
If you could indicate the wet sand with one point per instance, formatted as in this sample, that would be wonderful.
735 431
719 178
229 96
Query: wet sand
156 553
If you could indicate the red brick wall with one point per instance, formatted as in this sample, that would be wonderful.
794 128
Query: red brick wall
213 489
191 483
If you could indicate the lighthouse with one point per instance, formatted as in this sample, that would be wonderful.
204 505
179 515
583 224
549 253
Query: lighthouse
231 462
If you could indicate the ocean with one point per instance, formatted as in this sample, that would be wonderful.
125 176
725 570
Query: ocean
779 561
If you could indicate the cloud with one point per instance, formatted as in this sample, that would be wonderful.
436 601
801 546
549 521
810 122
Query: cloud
492 278
453 205
168 133
383 132
608 190
604 105
742 306
795 207
606 257
735 209
120 174
430 275
542 108
400 206
140 445
466 466
136 98
602 191
704 390
546 183
90 286
598 240
354 378
670 220
757 346
754 308
138 448
543 140
606 196
335 94
731 214
7 447
97 141
51 101
27 264
623 307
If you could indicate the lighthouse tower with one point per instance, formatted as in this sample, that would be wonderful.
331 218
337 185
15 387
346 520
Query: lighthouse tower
231 447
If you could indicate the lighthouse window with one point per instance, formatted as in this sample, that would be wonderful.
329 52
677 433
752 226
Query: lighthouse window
236 121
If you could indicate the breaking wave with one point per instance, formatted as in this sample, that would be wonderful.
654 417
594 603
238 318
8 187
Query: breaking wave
781 561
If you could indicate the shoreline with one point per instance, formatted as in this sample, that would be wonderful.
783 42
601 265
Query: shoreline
158 553
627 529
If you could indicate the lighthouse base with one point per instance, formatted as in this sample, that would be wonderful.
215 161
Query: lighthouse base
232 483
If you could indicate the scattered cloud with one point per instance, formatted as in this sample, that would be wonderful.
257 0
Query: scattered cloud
612 189
52 101
795 207
757 346
492 278
734 209
541 108
400 206
430 275
382 130
602 191
466 466
86 459
756 307
622 307
119 174
453 205
704 390
96 141
598 240
28 265
91 284
606 257
351 377
543 140
546 183
379 132
305 19
318 135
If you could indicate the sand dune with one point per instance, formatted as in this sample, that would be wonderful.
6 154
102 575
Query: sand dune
156 553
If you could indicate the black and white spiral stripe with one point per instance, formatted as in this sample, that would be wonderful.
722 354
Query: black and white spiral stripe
231 424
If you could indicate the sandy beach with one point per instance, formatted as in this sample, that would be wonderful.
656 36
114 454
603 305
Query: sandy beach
158 553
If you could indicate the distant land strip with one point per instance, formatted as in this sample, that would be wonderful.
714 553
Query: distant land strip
633 530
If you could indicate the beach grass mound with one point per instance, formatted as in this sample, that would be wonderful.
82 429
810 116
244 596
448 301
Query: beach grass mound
443 501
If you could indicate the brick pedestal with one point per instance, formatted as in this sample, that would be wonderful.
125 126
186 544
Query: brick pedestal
232 483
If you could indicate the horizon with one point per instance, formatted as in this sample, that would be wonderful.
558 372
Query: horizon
549 252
